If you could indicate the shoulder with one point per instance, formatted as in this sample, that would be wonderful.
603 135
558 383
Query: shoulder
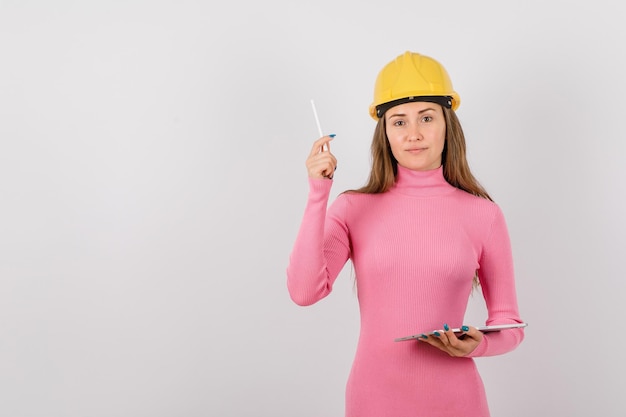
477 207
466 198
350 204
355 198
481 217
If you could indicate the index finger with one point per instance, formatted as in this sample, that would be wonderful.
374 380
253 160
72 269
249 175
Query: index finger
318 145
473 332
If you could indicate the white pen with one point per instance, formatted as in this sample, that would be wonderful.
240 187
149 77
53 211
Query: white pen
319 127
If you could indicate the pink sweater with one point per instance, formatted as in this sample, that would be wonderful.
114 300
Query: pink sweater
415 249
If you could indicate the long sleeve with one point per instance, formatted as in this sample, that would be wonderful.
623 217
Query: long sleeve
498 286
320 251
415 249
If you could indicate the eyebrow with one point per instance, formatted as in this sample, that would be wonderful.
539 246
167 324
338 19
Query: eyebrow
404 115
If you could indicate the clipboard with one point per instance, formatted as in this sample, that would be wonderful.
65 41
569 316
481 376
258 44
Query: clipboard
484 329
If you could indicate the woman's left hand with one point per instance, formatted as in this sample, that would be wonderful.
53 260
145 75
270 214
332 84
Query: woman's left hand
453 345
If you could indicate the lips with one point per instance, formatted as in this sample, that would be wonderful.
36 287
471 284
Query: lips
415 150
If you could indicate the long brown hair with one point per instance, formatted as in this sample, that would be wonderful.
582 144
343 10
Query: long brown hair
456 169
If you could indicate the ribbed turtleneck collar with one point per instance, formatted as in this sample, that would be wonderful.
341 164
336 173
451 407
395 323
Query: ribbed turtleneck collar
421 183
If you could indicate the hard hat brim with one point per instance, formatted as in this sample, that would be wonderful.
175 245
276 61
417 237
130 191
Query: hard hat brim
445 101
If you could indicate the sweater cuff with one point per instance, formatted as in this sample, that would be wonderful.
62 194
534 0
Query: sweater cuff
480 349
320 186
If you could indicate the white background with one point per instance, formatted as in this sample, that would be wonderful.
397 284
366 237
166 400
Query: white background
152 181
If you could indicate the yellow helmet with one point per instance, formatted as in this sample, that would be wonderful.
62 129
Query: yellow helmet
412 77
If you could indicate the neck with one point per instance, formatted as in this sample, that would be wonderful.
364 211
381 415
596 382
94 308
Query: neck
421 183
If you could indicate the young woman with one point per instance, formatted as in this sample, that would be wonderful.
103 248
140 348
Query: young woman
421 234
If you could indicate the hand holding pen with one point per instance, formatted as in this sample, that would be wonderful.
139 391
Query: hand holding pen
321 163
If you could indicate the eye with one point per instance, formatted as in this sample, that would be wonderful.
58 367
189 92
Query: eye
398 123
427 119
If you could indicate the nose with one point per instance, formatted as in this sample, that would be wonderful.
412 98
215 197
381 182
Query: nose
414 133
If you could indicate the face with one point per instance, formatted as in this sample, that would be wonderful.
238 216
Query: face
416 132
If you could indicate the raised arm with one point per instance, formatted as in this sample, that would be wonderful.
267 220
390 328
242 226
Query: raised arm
321 247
